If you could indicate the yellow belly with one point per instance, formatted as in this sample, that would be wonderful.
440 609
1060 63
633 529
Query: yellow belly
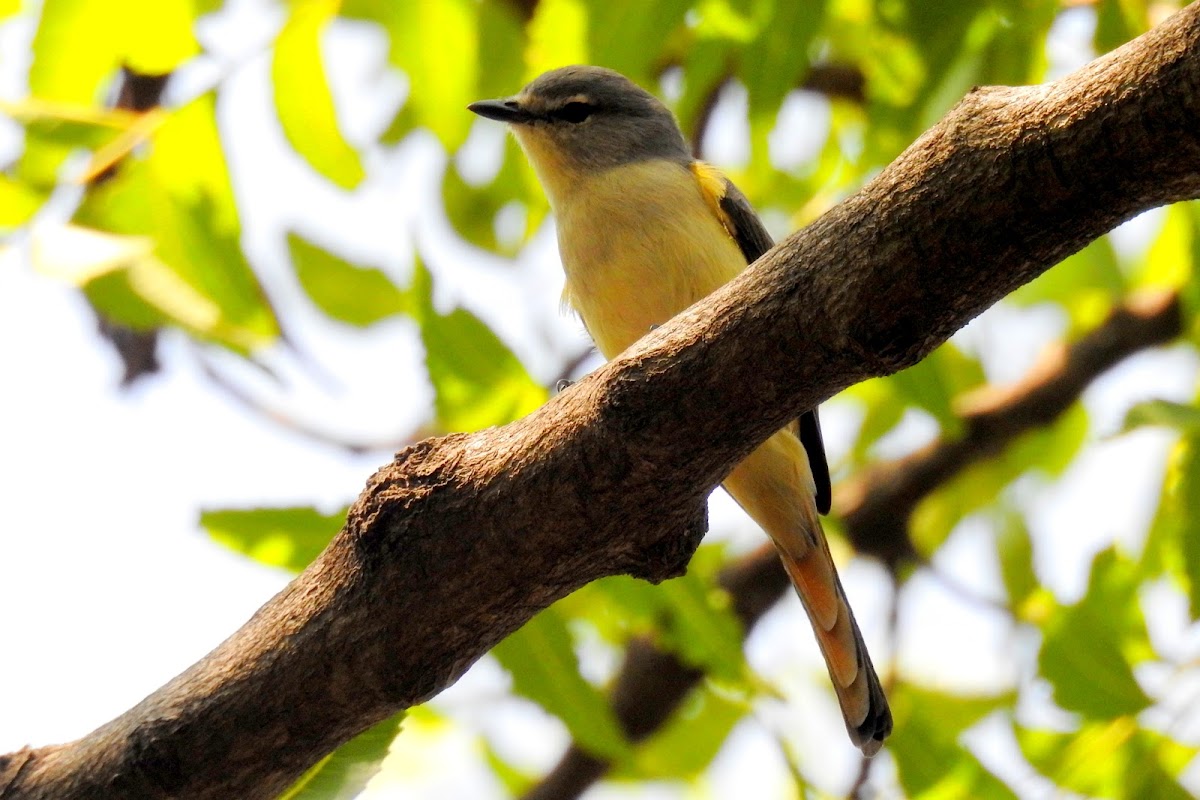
639 244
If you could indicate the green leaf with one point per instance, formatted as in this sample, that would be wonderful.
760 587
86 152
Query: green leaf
706 67
472 210
356 295
18 203
628 35
1087 649
1047 450
771 67
544 669
1086 284
1109 759
684 747
179 197
776 61
1173 544
278 537
437 45
79 44
1190 534
74 50
121 277
345 772
1118 21
303 97
935 381
690 616
701 626
514 780
949 81
1017 52
158 34
1014 550
501 50
558 35
1181 417
1168 261
477 380
882 411
1155 763
61 126
617 608
930 761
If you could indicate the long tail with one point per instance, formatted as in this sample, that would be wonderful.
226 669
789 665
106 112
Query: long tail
775 487
859 693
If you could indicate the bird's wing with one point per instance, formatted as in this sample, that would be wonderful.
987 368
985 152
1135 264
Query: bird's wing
743 224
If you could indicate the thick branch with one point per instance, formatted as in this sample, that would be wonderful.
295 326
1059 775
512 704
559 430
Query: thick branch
460 540
877 508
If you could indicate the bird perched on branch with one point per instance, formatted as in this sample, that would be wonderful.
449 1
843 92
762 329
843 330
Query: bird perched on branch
645 231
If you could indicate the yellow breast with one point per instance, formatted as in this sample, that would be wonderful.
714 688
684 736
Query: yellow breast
639 244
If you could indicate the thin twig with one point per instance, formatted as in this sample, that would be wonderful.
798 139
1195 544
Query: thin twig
292 425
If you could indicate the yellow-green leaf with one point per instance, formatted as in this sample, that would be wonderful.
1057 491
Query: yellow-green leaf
685 746
179 195
344 773
1173 545
1014 548
358 295
1182 417
158 34
1088 648
279 537
75 50
437 45
18 203
1109 759
477 380
557 36
542 662
303 98
935 382
930 759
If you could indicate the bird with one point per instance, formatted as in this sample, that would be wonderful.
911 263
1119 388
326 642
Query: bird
644 231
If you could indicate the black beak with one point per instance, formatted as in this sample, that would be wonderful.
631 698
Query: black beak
509 111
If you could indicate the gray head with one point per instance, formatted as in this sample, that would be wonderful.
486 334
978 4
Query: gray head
580 119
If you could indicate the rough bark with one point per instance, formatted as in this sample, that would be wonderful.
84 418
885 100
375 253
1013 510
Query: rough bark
876 508
462 539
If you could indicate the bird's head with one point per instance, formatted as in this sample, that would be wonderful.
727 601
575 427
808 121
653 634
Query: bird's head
576 121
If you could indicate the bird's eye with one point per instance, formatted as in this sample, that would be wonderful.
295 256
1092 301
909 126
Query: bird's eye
573 112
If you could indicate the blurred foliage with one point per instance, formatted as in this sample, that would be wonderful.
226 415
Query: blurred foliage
140 212
541 659
280 537
344 773
930 756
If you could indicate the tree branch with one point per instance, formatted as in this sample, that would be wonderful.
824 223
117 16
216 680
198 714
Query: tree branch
460 540
298 427
878 505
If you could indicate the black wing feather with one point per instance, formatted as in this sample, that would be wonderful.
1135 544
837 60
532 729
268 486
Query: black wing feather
753 240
